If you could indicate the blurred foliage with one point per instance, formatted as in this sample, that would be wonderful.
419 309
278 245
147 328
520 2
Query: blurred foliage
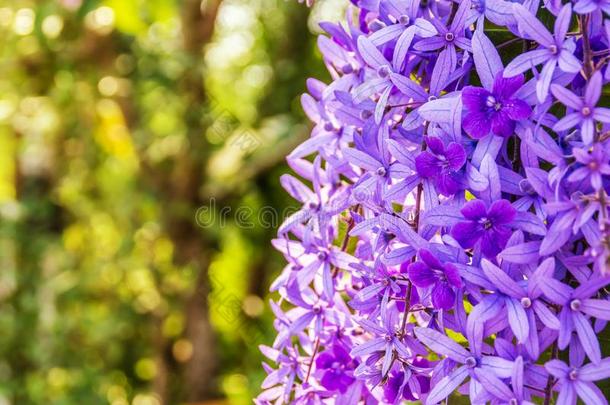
119 119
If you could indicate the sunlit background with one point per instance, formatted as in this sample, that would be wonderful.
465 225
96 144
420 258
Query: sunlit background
119 121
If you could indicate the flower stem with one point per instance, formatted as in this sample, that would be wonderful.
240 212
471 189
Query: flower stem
549 383
588 66
313 356
350 225
407 309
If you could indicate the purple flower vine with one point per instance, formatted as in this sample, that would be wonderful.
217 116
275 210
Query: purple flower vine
455 231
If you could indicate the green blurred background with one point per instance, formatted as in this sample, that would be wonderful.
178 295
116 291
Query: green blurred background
119 120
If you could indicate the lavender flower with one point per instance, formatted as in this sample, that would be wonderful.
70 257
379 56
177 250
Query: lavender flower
576 305
578 381
554 49
586 113
594 165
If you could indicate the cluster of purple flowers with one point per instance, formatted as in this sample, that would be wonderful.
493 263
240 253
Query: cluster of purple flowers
454 237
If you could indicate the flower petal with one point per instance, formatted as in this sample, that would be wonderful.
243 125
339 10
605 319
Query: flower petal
567 122
517 109
421 275
443 296
466 233
587 337
474 98
526 61
568 98
529 24
505 87
441 344
596 308
594 89
589 393
474 210
477 124
502 125
447 385
501 212
427 165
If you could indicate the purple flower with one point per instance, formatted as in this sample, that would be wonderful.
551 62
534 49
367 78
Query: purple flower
494 111
338 367
490 226
441 164
443 278
470 363
578 381
576 305
595 165
554 48
523 305
586 113
385 267
402 384
448 37
389 339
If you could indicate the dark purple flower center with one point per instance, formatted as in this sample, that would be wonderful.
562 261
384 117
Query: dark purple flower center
322 256
388 338
449 37
360 195
404 19
365 115
573 374
575 305
586 111
553 49
526 187
577 197
313 205
432 98
381 171
513 401
526 302
347 68
383 71
316 309
471 362
328 126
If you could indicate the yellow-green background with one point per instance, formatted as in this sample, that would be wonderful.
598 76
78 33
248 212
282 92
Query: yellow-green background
118 121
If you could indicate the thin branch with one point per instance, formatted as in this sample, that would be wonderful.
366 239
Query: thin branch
315 351
550 381
588 66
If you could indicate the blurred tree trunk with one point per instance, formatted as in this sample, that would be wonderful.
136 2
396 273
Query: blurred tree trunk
192 246
177 185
